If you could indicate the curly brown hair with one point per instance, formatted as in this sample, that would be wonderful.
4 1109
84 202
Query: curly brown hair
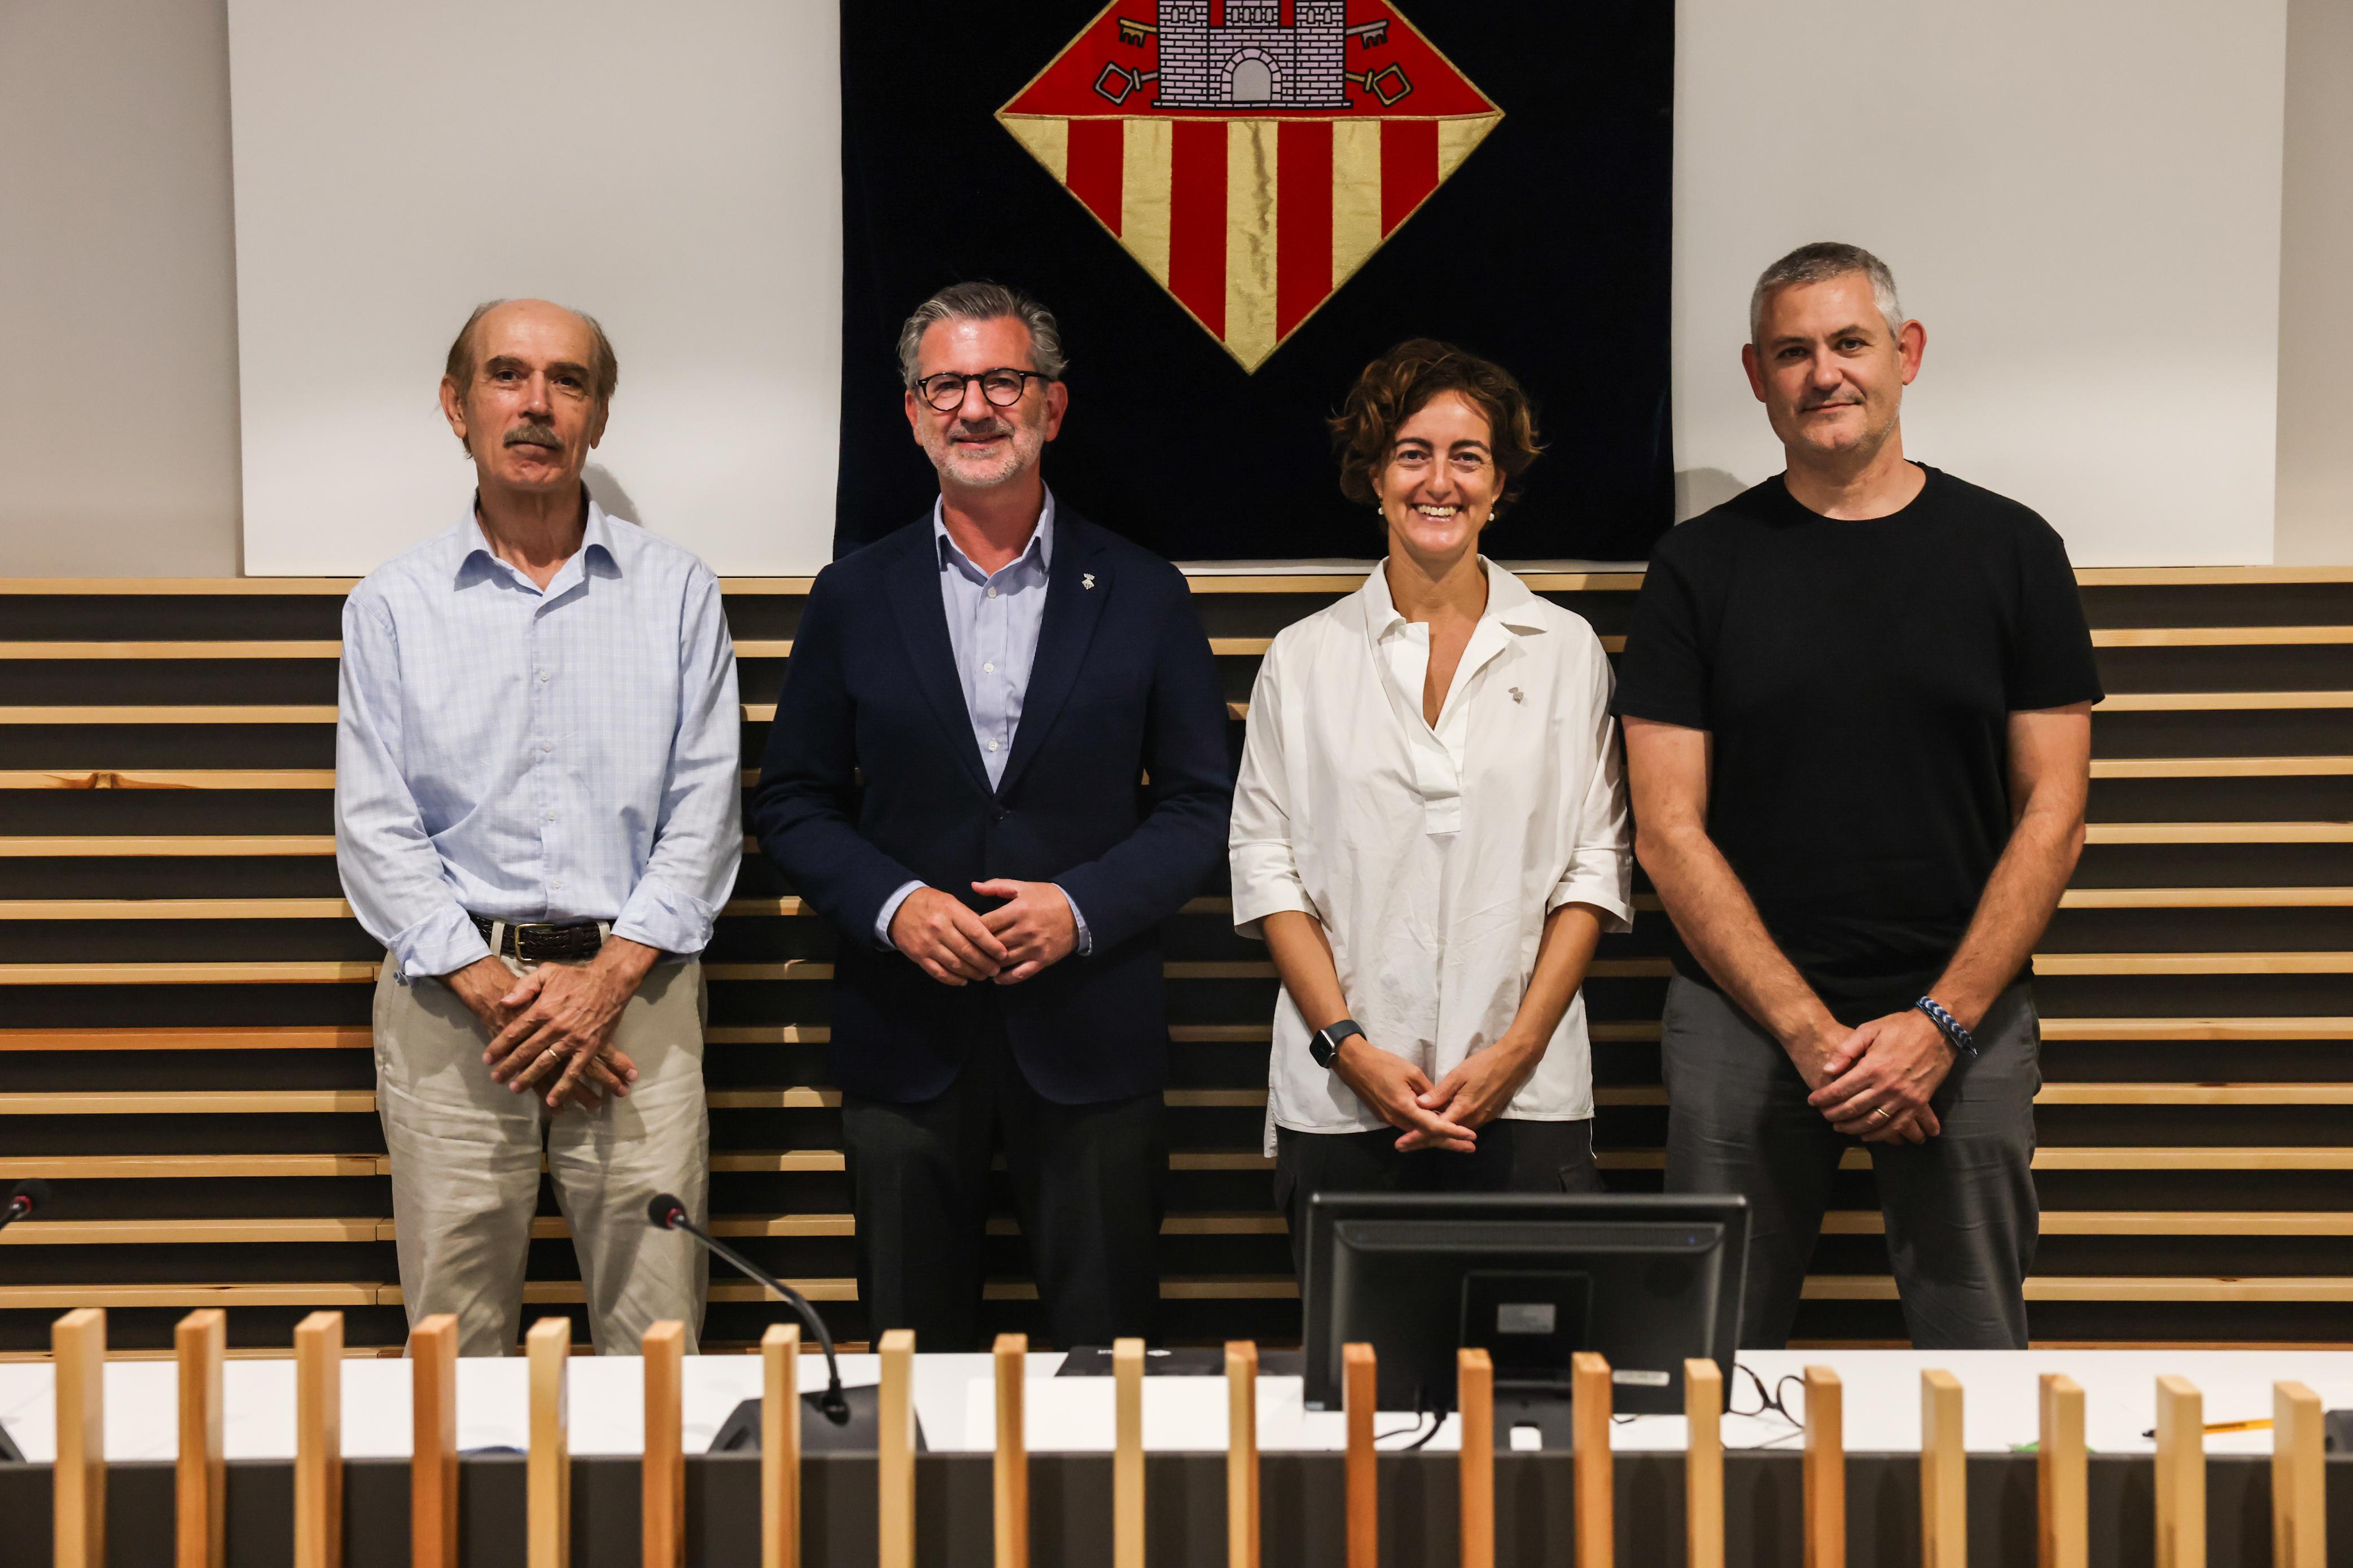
1401 382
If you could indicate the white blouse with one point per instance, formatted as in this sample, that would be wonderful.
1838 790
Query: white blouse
1430 856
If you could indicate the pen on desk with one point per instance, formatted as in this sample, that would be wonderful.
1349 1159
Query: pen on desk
2213 1427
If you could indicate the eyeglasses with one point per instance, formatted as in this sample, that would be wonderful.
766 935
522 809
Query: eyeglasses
1002 386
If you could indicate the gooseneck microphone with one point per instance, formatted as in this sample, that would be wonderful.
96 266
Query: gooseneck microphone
668 1214
23 1198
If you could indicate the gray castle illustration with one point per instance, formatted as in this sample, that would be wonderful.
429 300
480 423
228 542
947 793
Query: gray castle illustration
1254 59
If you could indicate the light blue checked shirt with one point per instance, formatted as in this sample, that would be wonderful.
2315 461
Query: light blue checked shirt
571 755
994 619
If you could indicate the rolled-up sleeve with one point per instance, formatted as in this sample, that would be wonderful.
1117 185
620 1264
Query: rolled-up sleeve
699 838
1600 870
391 871
1259 846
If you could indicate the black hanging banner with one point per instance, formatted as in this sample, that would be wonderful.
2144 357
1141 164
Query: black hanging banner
1232 205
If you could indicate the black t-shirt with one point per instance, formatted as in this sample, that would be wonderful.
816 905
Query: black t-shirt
1856 677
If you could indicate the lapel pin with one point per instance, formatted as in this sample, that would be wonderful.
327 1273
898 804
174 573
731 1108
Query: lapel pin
1516 694
1086 579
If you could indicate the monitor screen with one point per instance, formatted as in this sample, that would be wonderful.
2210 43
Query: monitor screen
1648 1281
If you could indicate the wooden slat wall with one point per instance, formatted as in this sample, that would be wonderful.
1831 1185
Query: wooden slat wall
183 995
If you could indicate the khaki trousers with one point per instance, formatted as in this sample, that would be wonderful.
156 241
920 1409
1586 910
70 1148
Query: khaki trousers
466 1165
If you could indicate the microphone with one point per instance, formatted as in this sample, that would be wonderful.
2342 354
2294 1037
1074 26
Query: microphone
23 1198
667 1213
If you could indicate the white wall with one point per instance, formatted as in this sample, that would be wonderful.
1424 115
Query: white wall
2082 201
117 322
673 169
118 380
2315 417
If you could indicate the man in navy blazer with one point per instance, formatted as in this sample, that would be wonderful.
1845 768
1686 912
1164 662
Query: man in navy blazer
999 762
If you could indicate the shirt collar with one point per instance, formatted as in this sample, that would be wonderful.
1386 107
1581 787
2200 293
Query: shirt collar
1509 602
1040 545
475 554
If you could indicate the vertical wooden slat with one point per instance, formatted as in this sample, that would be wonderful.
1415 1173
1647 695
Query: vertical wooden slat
1944 1474
664 1511
1127 1454
78 1349
1359 1400
549 1479
1012 1452
319 1441
895 1472
201 1340
2299 1476
2063 1506
1825 1469
1597 1527
433 1448
1474 1398
2180 1474
1704 1464
1242 1454
780 1447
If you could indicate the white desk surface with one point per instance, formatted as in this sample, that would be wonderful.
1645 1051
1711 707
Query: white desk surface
954 1399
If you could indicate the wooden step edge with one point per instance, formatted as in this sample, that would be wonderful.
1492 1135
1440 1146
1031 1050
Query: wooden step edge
356 971
2112 1287
2139 1222
180 1167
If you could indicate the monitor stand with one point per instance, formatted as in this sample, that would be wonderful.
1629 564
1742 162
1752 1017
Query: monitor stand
1543 1405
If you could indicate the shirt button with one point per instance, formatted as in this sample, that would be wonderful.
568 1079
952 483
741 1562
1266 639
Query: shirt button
543 675
992 593
988 670
992 745
557 883
547 746
550 816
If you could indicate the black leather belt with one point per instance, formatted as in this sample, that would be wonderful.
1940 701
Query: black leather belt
540 943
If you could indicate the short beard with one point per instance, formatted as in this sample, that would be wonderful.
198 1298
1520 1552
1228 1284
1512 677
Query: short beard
1026 441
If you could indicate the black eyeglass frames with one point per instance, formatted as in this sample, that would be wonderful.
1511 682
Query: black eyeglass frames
1003 386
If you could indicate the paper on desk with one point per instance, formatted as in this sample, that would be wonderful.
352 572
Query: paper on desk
1076 1416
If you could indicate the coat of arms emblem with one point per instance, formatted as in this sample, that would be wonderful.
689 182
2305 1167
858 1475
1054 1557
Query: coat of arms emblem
1250 154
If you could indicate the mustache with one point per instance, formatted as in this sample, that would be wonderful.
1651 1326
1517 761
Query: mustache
535 436
986 430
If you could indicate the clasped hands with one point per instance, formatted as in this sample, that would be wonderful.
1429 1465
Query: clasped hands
1876 1082
552 1027
1446 1114
1032 929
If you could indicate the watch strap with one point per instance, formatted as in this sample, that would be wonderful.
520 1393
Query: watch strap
1326 1044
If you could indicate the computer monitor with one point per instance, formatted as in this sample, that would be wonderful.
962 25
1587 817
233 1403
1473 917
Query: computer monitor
1532 1279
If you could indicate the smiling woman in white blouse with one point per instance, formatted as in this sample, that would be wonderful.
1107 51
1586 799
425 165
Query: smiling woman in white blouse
1430 829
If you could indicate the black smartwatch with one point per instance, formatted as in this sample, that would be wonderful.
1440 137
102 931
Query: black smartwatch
1325 1044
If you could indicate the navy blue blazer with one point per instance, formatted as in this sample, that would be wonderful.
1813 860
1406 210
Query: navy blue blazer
1124 687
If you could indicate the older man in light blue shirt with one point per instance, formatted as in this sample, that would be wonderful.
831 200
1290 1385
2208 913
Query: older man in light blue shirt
538 812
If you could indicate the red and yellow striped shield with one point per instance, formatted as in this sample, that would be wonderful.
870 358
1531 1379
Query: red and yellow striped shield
1251 154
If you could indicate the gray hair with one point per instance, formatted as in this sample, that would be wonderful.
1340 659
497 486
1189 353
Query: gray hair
1819 263
983 302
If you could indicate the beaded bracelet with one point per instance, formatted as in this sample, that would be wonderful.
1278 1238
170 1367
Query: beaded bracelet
1962 1040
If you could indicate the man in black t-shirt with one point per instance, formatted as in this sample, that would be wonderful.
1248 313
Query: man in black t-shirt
1857 703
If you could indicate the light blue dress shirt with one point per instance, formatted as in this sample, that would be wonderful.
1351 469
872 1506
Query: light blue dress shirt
993 625
572 753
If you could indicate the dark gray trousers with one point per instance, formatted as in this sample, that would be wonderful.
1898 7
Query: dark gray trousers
1960 1209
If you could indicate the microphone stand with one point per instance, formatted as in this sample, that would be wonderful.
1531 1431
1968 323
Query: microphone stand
850 1419
23 1199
